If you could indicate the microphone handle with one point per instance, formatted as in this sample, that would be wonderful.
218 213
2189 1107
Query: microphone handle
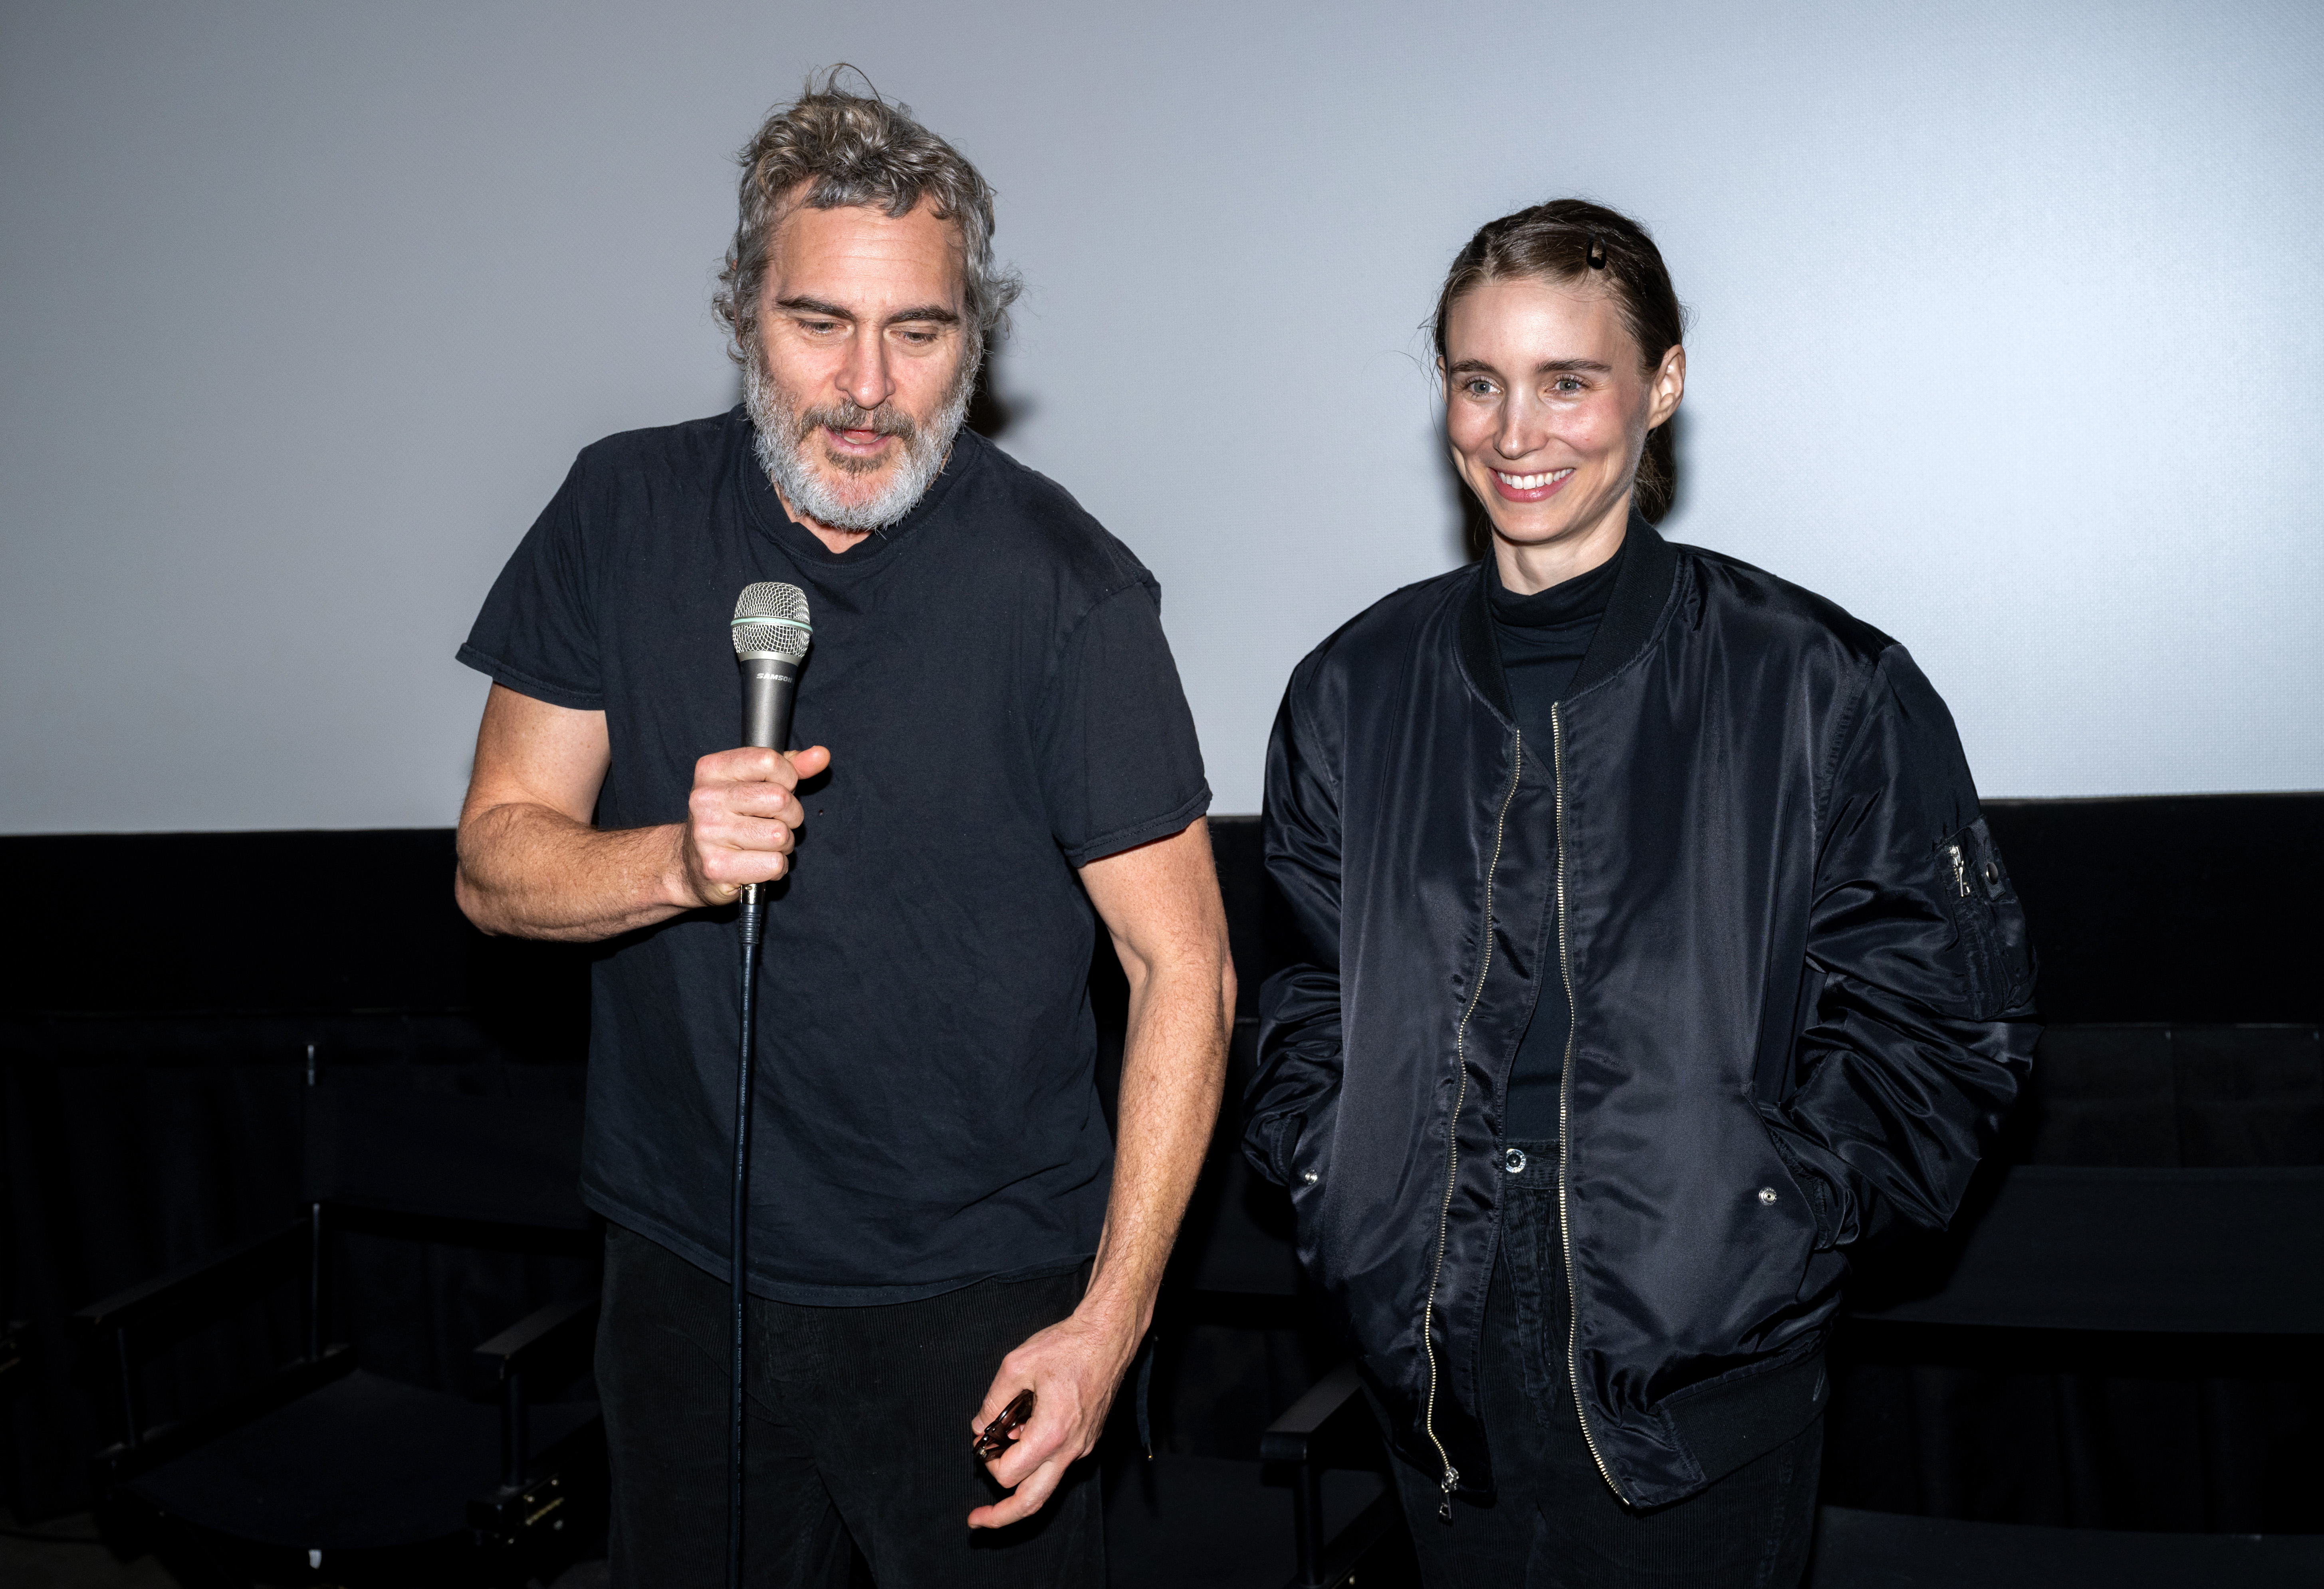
768 687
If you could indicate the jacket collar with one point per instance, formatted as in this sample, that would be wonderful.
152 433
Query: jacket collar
1641 591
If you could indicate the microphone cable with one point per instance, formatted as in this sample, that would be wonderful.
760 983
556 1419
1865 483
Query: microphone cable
752 907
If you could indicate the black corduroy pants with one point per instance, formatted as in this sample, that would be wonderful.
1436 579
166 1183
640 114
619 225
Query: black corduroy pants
1553 1522
857 1430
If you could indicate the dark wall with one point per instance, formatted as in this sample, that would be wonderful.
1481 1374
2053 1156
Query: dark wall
154 1030
306 921
2181 907
2191 908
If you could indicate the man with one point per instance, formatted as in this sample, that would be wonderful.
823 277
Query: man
1649 952
996 742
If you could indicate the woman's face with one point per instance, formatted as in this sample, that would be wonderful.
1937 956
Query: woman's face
1546 406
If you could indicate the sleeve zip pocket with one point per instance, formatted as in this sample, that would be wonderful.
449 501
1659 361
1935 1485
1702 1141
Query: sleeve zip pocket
1995 952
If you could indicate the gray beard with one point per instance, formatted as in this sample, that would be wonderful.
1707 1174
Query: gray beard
784 432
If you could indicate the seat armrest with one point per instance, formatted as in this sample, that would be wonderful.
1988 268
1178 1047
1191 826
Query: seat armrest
232 1272
521 1355
1325 1424
1317 1420
535 1338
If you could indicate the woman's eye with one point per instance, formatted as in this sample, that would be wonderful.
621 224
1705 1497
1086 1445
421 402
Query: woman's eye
1476 387
1566 384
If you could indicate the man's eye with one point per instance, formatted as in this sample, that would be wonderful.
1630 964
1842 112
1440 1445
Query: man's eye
920 338
818 327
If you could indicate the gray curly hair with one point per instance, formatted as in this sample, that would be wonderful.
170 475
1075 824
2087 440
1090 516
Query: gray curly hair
857 149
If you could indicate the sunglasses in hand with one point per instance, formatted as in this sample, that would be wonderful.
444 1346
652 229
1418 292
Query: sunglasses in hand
994 1440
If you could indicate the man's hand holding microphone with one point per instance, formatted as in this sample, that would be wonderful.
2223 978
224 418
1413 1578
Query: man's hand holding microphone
742 822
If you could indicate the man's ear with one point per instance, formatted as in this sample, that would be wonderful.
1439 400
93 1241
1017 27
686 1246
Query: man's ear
1669 386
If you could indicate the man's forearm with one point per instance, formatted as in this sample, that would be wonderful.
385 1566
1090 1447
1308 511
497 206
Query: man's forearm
1174 1066
532 872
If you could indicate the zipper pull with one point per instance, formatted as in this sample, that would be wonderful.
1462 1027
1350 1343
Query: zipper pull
1960 870
1448 1484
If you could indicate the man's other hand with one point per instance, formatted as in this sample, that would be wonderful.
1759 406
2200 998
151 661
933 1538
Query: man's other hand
742 819
1073 1368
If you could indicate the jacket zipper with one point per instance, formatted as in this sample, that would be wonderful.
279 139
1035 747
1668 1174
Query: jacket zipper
1452 1478
1961 870
1565 1102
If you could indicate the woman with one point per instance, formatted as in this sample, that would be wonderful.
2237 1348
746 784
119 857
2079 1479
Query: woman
1650 953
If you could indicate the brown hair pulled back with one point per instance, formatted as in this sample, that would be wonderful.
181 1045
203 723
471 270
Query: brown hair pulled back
1553 241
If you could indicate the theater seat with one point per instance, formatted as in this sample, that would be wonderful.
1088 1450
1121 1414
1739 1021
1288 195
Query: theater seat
321 1465
2158 1253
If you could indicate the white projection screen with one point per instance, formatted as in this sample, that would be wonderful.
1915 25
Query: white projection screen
2004 336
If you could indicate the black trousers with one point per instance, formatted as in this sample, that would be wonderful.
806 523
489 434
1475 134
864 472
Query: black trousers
857 1429
1553 1522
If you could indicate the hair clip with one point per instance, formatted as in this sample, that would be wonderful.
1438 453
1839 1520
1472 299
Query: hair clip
1597 251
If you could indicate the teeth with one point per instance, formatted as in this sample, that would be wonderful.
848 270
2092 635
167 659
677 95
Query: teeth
1526 482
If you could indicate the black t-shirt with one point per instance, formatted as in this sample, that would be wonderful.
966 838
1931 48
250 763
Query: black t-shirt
1542 639
1001 708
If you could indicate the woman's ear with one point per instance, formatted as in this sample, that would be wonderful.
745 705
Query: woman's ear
1669 386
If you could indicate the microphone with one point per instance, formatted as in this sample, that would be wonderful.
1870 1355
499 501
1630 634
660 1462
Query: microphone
771 632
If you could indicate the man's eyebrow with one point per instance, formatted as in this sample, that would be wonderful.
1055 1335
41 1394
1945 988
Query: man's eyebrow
923 314
813 305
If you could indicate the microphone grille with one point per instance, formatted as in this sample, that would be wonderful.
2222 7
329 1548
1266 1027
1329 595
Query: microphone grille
771 620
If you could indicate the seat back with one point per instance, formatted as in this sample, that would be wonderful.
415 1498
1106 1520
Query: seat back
2148 1251
1237 1237
504 1161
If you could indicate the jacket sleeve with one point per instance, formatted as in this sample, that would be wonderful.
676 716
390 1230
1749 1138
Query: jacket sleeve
1297 1076
1919 1021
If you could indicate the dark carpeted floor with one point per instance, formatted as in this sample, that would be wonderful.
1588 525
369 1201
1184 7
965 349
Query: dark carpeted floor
27 1563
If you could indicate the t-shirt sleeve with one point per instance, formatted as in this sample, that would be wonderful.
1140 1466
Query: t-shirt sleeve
1119 762
537 633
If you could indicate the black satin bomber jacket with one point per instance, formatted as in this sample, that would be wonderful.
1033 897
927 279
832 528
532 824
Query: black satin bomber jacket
1801 992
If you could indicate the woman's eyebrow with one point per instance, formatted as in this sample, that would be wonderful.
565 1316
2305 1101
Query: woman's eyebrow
1546 367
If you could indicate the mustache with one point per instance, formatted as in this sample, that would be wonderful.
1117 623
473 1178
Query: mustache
884 420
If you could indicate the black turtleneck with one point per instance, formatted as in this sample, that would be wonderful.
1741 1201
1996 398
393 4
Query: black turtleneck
1542 639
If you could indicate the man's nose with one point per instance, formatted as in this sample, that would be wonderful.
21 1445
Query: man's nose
864 376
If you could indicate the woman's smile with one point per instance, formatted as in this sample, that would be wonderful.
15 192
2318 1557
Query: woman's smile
1529 488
